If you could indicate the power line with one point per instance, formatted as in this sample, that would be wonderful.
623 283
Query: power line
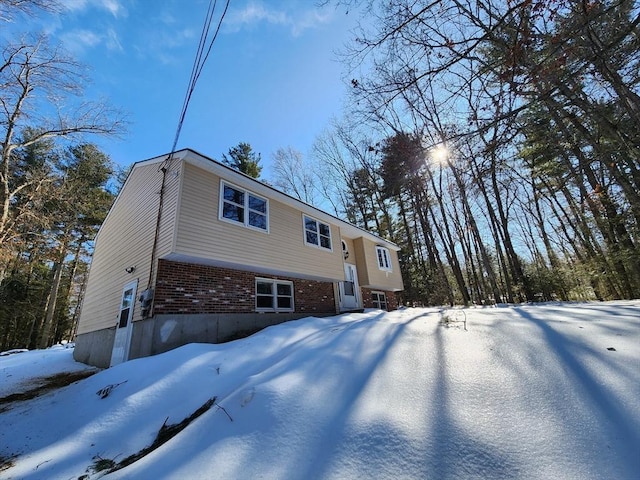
204 49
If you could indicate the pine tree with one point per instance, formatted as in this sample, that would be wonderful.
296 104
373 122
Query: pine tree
243 159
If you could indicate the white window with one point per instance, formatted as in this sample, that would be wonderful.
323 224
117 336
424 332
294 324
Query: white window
384 258
317 233
243 207
379 300
274 295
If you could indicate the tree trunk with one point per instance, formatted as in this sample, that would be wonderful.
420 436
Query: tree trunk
447 240
52 300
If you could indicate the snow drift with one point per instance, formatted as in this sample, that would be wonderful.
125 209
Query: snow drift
534 391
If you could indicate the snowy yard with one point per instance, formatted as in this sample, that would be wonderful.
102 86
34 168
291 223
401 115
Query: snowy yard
535 391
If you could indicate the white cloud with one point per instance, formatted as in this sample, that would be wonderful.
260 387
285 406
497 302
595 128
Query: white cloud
256 12
114 7
112 41
167 18
309 19
165 45
104 32
74 5
79 40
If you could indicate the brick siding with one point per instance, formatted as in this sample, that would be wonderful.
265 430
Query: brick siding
367 300
186 288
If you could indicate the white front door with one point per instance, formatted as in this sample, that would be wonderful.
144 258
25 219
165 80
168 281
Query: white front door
122 340
349 289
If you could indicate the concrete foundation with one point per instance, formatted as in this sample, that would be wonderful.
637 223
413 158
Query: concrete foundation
94 348
165 332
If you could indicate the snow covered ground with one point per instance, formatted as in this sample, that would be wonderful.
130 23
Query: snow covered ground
528 392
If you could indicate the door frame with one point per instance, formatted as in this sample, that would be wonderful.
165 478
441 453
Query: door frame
351 275
122 337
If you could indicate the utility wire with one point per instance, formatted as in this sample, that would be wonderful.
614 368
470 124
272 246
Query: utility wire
199 62
198 65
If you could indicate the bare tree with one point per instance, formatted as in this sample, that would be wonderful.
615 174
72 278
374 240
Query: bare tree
38 83
295 176
8 8
543 99
330 159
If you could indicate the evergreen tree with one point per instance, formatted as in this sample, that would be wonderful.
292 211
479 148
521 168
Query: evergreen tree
243 159
81 205
48 254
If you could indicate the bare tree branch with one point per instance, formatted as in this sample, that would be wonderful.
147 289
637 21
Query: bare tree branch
41 90
9 8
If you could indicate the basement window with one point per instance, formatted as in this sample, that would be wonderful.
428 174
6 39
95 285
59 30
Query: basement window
379 300
274 295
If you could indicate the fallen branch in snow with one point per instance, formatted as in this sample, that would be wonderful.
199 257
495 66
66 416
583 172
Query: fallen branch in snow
7 462
42 463
166 433
100 464
220 407
104 392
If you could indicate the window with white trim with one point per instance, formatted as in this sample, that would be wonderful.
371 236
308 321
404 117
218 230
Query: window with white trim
243 207
384 258
274 295
379 300
316 233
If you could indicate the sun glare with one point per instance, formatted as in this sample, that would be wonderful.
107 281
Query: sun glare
439 155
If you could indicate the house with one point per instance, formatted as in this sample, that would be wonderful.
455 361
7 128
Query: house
193 251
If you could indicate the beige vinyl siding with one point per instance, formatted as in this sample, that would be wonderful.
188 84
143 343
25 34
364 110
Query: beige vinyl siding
202 234
360 259
351 250
369 274
125 239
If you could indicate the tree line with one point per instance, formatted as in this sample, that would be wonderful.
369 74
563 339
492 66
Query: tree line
55 187
498 143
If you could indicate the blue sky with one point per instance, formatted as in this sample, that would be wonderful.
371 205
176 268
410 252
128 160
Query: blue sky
272 79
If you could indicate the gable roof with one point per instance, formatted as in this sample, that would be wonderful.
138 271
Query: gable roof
195 158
